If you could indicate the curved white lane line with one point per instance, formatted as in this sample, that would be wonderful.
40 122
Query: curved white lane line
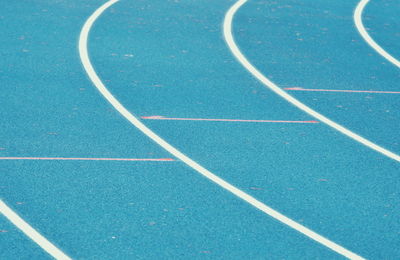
272 86
31 232
360 27
200 169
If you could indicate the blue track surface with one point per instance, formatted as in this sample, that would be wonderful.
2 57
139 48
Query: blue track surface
169 58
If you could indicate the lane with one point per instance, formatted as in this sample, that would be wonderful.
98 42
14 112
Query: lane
188 161
316 55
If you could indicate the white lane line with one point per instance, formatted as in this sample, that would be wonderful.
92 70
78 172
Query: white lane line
200 169
272 86
32 233
360 27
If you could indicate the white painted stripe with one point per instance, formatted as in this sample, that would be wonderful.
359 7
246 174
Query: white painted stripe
272 86
212 177
31 232
360 27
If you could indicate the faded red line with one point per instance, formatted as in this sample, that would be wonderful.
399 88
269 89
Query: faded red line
343 90
227 120
88 159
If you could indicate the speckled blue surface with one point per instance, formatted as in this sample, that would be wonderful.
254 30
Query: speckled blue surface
169 58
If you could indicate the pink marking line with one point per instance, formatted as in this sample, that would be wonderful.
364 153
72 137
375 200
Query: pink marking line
227 120
343 90
88 159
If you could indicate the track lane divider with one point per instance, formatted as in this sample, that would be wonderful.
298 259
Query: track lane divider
30 232
361 29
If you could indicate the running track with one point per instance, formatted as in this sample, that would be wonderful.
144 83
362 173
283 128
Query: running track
156 60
